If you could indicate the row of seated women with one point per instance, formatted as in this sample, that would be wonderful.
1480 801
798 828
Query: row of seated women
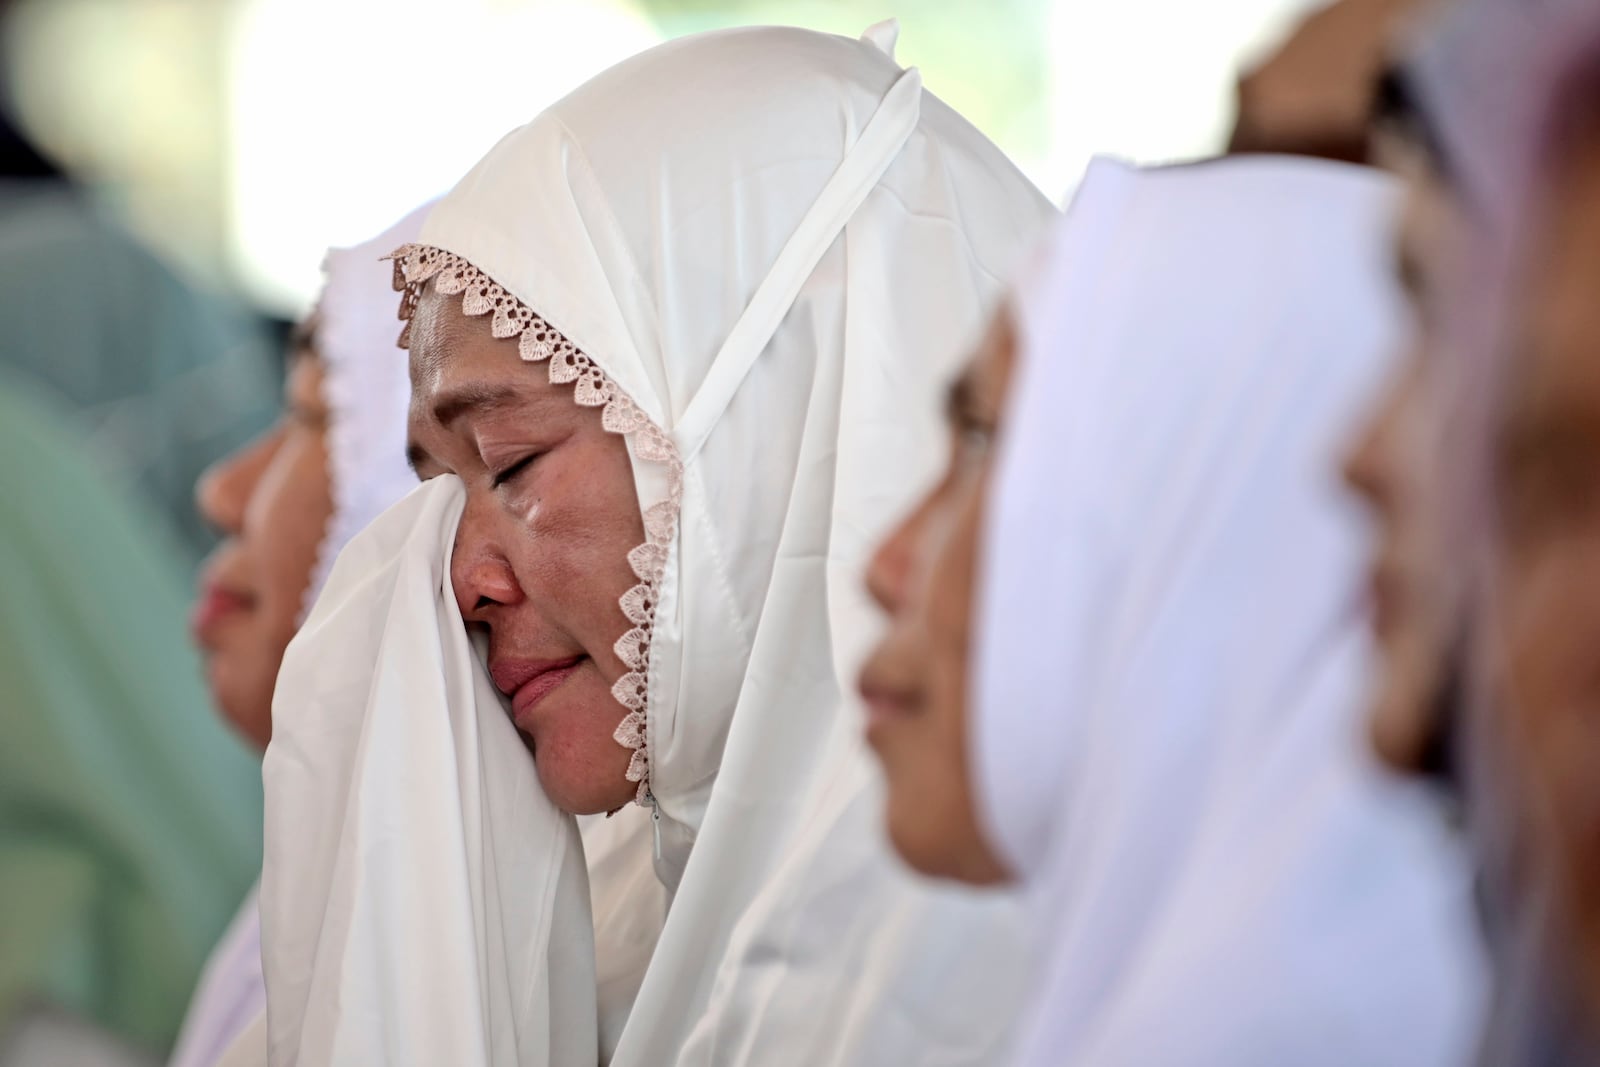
853 614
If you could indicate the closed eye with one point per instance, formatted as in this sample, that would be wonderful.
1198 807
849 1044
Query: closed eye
507 473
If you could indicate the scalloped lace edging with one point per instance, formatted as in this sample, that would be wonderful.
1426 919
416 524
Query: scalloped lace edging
539 342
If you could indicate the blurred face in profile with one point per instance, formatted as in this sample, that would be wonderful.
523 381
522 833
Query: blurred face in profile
1545 615
271 502
916 682
1388 465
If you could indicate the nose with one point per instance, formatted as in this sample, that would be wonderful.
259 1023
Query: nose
223 492
893 564
1360 466
1370 455
481 574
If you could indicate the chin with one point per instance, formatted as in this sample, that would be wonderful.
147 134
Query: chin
932 844
584 770
247 711
576 795
1402 715
917 841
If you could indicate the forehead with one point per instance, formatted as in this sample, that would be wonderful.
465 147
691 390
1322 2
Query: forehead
450 348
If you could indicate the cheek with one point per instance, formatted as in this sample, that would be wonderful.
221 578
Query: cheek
932 816
286 522
931 820
577 521
951 591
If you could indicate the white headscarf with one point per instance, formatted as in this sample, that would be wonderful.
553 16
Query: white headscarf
1171 650
762 252
366 387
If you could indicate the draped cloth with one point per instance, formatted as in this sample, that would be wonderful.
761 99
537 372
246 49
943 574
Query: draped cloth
761 253
1171 649
367 390
433 810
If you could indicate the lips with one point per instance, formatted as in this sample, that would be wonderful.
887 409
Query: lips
215 606
528 682
1386 594
886 703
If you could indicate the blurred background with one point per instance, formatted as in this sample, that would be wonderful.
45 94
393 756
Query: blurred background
240 138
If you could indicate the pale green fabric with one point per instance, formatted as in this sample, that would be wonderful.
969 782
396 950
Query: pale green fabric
129 818
161 378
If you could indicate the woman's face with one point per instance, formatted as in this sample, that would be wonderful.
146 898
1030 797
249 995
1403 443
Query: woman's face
1545 617
541 555
1388 466
271 501
915 683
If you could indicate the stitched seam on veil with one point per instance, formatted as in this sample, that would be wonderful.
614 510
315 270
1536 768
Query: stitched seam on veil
539 342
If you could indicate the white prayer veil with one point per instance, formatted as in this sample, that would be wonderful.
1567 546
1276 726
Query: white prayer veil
1171 654
367 388
425 903
762 253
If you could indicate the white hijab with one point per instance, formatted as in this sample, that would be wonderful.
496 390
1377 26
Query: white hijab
762 253
1172 651
434 908
367 390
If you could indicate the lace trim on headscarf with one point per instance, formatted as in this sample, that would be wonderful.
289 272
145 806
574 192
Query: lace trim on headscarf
539 342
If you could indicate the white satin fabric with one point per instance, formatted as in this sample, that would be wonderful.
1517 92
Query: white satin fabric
1172 651
779 247
434 905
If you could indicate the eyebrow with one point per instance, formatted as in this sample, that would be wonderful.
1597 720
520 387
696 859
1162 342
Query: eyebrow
472 398
1408 272
1398 108
303 338
961 400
